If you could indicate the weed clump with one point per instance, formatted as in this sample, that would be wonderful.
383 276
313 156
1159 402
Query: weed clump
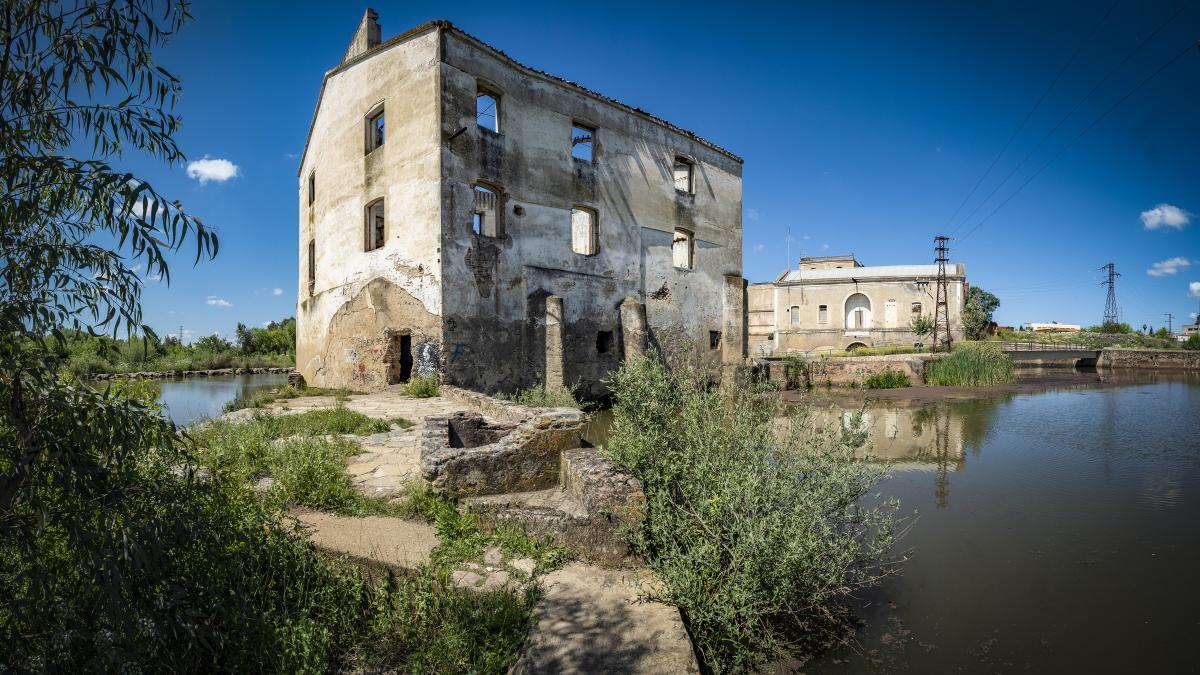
888 379
538 396
422 387
971 364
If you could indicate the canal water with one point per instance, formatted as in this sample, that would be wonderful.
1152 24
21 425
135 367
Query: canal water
1054 532
192 399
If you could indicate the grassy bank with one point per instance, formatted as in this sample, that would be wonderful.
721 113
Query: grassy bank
971 364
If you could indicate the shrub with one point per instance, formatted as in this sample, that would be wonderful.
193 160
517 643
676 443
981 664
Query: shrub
888 379
422 387
753 517
1193 342
971 364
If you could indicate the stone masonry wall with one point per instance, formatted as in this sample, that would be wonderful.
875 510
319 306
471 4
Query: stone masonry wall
1149 358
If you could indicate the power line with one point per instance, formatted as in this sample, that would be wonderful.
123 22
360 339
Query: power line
1096 87
1086 129
1021 127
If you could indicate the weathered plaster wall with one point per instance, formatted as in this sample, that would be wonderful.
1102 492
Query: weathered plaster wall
360 297
495 288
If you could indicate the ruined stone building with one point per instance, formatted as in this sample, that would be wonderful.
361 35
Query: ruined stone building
835 302
466 215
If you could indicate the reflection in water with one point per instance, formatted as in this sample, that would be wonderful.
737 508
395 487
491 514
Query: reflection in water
1069 541
189 400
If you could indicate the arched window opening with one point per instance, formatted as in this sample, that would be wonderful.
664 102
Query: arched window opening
585 233
858 312
376 229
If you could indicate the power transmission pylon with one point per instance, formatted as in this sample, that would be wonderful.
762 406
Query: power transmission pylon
1170 323
1110 305
941 307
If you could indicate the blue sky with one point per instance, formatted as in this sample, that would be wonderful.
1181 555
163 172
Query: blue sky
863 127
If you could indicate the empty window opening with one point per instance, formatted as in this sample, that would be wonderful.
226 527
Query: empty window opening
683 175
823 314
585 235
916 308
714 339
375 135
681 250
312 264
399 359
581 142
375 227
312 187
604 341
485 216
487 110
795 312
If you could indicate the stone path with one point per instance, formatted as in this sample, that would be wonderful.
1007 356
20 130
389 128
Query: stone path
389 460
594 620
392 541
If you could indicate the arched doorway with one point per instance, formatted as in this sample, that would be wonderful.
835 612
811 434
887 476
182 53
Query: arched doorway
853 346
858 312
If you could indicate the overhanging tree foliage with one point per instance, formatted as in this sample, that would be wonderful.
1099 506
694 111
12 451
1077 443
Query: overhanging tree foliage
977 313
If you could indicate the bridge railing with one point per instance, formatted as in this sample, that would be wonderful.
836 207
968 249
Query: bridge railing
1036 346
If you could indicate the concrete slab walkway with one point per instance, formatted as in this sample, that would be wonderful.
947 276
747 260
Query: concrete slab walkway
594 620
391 541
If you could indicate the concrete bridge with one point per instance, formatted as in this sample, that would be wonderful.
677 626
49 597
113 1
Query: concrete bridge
1051 354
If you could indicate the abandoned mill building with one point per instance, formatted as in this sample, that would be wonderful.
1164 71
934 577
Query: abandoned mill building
836 303
467 216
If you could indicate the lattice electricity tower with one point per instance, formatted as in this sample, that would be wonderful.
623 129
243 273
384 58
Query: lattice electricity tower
941 307
1110 305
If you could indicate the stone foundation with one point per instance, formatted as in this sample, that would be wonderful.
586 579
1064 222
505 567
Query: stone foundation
1153 359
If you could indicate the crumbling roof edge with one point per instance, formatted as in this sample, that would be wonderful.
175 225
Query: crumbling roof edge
444 25
448 26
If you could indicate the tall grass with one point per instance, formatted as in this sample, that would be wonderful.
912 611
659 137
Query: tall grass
538 396
971 364
888 379
422 387
753 518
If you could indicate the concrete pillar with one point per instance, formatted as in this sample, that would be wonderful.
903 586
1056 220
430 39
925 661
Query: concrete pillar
633 327
555 375
733 320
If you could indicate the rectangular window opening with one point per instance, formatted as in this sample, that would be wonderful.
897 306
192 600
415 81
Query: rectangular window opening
312 264
795 312
375 131
585 233
375 226
581 142
823 314
487 110
714 339
604 341
681 250
916 308
485 215
683 175
312 187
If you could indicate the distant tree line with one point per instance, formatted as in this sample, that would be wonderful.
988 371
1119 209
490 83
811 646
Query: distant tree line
83 353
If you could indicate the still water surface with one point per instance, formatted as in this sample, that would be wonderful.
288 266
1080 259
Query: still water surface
192 399
1054 532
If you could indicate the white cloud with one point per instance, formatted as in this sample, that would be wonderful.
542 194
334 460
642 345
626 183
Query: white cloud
218 302
1194 290
759 248
824 247
1167 267
218 170
265 324
1165 215
752 214
276 291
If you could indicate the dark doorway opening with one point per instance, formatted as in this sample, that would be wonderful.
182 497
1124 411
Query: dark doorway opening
400 360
